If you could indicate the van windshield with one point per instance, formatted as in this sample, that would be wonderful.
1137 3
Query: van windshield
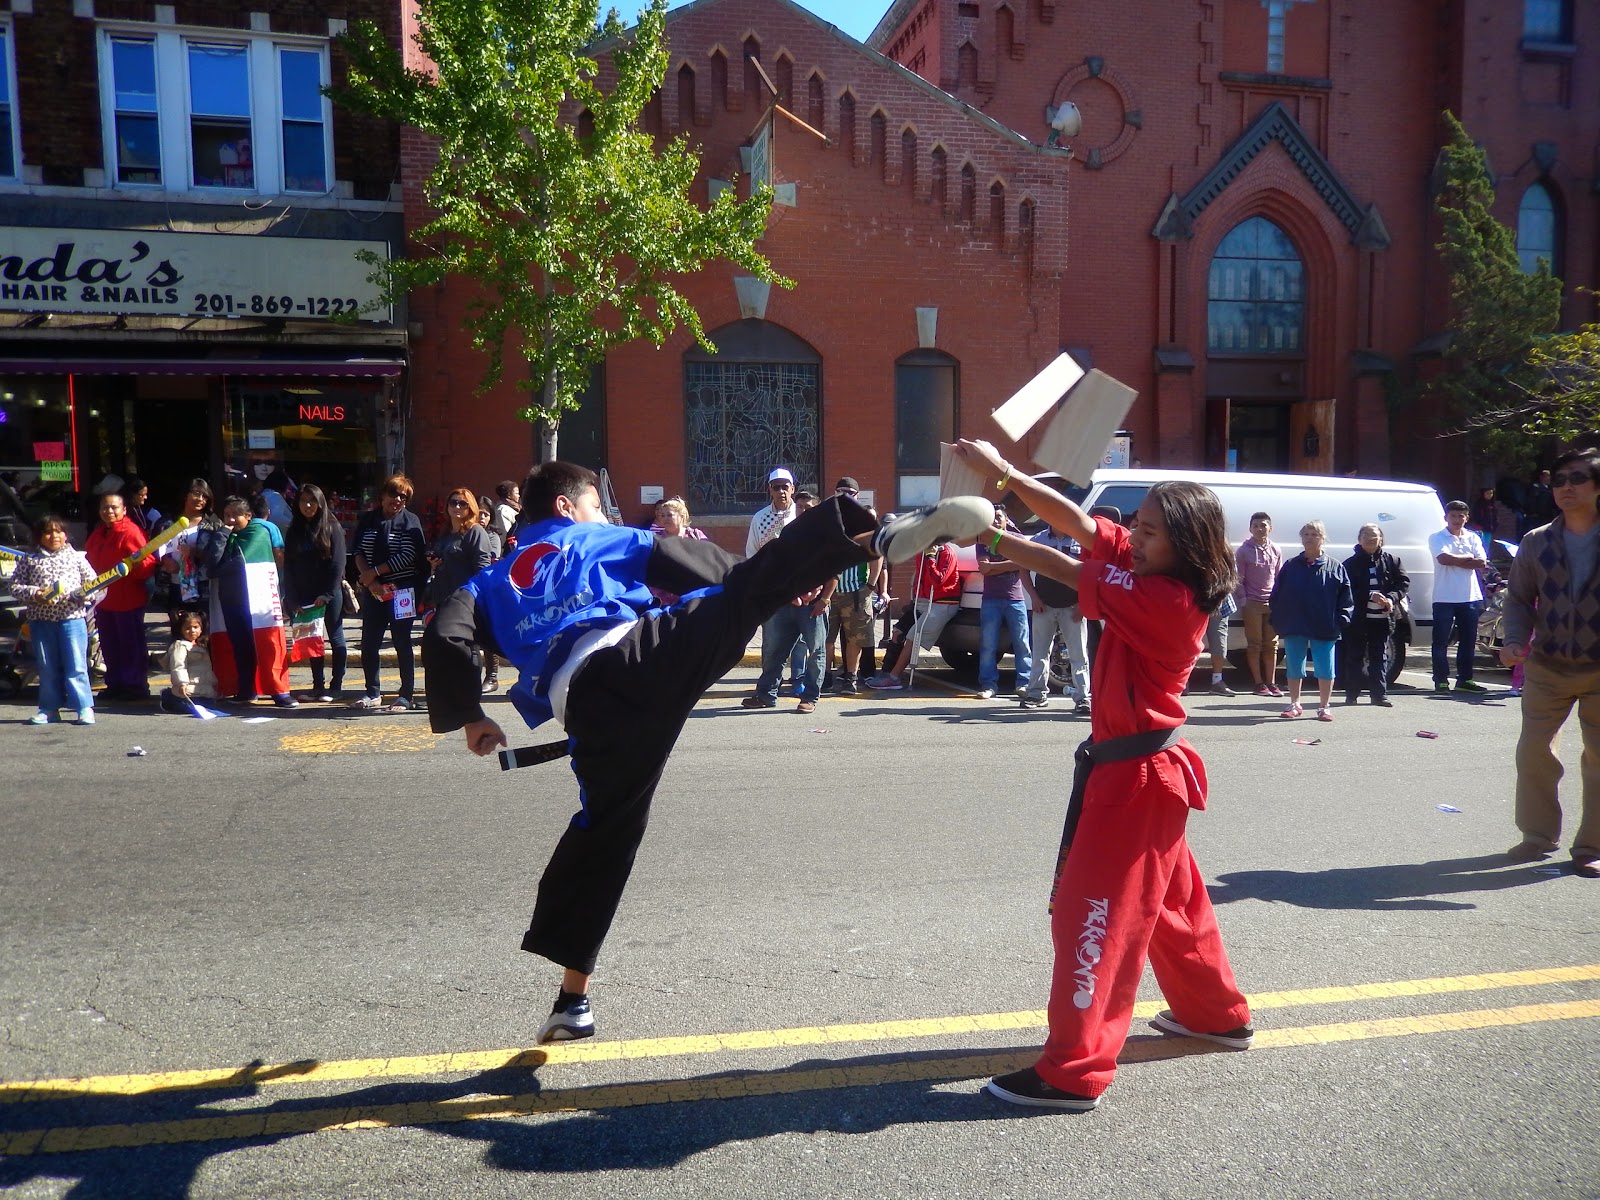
1124 497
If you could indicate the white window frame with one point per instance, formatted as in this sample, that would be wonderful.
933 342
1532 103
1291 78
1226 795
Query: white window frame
173 115
10 32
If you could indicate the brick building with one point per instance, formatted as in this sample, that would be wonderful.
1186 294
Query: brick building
1251 223
925 242
179 211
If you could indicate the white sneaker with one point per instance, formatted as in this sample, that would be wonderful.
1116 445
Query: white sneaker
568 1021
39 718
86 716
903 537
985 693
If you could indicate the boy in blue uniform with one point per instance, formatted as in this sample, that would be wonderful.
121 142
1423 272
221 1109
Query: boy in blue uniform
571 608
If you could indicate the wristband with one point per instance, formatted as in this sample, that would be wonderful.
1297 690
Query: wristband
994 546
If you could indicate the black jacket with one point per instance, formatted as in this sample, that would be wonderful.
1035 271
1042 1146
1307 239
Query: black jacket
1393 582
307 574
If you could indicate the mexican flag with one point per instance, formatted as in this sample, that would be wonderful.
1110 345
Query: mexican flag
248 652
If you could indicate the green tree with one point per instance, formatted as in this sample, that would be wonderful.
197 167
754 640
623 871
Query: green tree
1498 312
547 194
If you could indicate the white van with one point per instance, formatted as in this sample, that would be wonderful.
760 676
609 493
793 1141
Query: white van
1408 514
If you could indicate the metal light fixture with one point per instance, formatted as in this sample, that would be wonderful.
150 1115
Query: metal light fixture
1065 122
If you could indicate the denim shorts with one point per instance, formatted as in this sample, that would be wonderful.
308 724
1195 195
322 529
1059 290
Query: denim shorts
1294 657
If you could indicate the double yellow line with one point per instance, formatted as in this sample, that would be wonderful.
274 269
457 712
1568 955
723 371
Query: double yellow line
280 1122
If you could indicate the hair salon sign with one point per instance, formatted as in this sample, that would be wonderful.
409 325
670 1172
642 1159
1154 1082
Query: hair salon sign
128 272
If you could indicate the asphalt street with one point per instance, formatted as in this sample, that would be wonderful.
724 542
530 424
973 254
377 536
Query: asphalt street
280 959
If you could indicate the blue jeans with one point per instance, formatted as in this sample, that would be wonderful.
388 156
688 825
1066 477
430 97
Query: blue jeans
62 650
1013 614
792 623
1464 618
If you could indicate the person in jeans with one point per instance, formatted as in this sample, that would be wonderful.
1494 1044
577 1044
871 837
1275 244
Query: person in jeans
51 584
1056 616
1258 561
389 560
1003 607
1457 598
1311 608
1554 602
313 572
1378 582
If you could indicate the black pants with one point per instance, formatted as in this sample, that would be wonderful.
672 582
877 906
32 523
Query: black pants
1366 658
628 703
377 616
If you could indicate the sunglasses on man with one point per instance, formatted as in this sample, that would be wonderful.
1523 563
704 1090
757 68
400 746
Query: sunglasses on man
1575 478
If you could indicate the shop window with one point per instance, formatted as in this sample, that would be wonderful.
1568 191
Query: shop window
9 151
1546 20
137 128
754 405
1536 228
926 397
242 114
315 430
1256 292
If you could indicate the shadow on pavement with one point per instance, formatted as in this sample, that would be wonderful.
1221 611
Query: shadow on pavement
616 1126
1394 888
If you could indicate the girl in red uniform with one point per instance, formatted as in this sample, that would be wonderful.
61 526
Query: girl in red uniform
1126 885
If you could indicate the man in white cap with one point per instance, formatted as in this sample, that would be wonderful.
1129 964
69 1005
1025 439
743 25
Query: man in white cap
782 630
769 522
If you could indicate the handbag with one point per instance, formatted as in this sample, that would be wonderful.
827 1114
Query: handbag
308 636
352 602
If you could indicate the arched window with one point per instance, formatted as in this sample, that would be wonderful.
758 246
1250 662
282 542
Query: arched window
1536 228
1256 292
754 405
1546 21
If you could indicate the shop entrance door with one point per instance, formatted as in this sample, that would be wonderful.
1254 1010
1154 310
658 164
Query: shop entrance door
172 445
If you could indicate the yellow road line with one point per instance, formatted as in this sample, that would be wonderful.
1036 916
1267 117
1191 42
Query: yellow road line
281 1123
473 1062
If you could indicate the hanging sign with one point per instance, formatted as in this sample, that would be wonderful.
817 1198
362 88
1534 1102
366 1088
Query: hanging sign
142 272
56 472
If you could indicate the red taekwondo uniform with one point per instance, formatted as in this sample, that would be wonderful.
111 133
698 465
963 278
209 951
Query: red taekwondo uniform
1128 886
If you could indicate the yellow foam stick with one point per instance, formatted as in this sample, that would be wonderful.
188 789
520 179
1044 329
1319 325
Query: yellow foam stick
121 569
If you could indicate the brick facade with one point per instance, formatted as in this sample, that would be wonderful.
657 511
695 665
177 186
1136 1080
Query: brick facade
880 229
1166 97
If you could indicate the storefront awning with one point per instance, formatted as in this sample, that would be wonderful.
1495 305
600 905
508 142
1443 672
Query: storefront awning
377 366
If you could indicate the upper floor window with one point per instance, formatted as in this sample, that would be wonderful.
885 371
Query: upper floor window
1256 292
1545 21
1536 228
8 108
185 111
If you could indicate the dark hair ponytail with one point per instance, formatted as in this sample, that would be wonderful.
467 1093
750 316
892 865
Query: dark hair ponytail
1199 537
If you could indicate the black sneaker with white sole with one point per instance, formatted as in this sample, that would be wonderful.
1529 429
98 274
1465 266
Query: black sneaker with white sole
903 537
1026 1088
1234 1039
569 1020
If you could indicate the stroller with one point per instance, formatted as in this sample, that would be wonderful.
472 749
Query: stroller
17 666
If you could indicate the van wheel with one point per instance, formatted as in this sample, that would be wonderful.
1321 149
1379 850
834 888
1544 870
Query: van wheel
1397 656
962 662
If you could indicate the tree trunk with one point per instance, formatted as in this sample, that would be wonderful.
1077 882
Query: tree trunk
549 429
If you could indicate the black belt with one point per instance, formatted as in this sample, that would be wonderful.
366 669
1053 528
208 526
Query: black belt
1085 758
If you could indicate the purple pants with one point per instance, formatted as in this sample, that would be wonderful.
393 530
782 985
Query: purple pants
123 649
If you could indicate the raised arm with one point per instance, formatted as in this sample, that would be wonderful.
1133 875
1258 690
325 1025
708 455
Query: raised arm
1031 556
1061 514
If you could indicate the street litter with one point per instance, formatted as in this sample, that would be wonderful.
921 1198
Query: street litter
256 720
1425 733
822 731
136 752
1306 741
1549 870
1447 808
